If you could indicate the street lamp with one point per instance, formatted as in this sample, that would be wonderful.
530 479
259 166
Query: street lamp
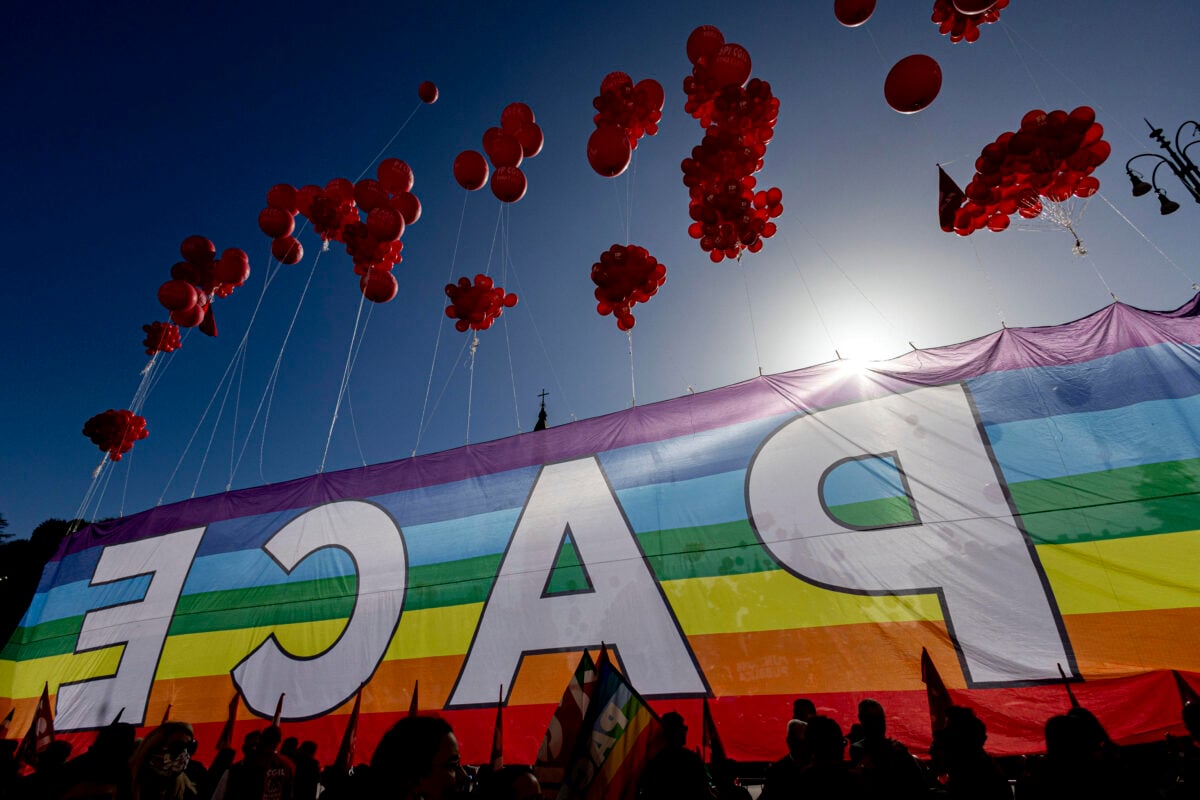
1183 167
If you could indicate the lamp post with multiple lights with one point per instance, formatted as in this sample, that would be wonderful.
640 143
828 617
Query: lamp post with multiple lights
1183 167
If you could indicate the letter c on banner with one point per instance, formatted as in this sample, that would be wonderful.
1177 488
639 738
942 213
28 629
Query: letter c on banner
965 544
321 683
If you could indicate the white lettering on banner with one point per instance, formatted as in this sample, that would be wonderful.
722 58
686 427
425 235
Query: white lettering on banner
319 684
966 546
627 607
141 626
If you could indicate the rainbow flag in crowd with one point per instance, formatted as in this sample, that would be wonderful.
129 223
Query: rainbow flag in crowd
1010 504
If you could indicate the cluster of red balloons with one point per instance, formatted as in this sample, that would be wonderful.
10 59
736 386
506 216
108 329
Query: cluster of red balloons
624 276
369 217
161 337
624 113
476 305
199 278
114 431
519 137
739 120
961 18
1052 156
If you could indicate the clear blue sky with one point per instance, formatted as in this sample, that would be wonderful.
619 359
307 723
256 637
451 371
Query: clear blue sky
129 127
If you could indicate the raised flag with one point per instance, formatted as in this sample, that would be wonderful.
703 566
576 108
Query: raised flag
936 693
714 751
1186 693
41 729
278 710
412 704
166 714
614 743
225 740
345 754
1067 685
497 759
950 199
8 718
563 730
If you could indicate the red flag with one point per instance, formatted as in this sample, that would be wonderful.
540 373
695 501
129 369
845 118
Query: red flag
41 729
278 710
564 726
935 692
1067 685
1186 693
950 199
345 754
225 740
412 704
711 740
7 721
497 759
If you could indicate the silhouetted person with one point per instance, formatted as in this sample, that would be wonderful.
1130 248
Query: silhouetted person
510 782
158 768
829 775
887 768
308 771
674 771
103 771
263 775
958 750
725 780
49 778
782 778
803 709
417 758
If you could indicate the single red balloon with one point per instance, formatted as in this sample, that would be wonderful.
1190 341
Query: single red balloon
283 195
197 250
509 184
515 115
177 295
276 222
471 170
913 83
428 92
608 151
502 148
704 42
973 7
531 138
731 65
378 285
287 250
408 205
853 13
395 175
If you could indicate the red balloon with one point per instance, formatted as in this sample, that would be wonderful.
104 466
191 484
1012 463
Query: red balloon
188 317
913 83
283 195
973 7
177 295
287 250
731 65
378 285
197 250
608 151
471 170
703 43
340 189
276 222
531 139
428 92
509 184
233 268
616 82
385 224
502 148
853 13
408 205
515 115
395 175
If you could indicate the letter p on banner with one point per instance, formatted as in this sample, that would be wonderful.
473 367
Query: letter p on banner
963 544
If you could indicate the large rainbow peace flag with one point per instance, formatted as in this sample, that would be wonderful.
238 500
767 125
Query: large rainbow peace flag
1012 504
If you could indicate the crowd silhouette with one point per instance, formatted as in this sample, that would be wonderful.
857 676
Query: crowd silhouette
418 759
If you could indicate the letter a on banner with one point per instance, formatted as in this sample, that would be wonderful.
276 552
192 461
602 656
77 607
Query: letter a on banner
626 609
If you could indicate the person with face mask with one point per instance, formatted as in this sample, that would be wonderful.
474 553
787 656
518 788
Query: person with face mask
158 768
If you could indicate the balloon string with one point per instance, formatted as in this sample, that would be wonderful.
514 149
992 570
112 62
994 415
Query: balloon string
337 405
350 405
1024 63
471 384
791 250
505 260
239 355
987 279
1168 259
750 309
383 149
632 385
438 339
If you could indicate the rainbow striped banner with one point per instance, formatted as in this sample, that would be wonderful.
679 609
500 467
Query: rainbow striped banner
1015 503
